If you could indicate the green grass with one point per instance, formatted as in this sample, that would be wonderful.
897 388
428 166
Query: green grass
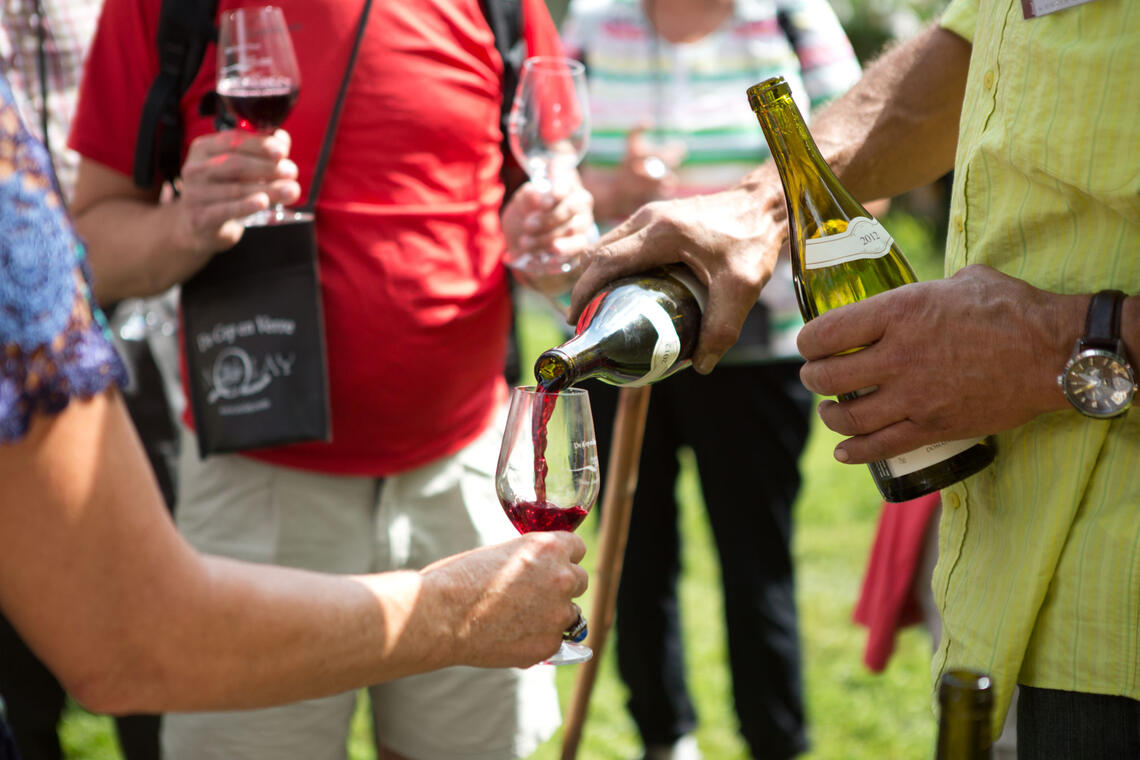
853 714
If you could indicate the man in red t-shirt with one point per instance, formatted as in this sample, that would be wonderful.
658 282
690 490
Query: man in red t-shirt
416 314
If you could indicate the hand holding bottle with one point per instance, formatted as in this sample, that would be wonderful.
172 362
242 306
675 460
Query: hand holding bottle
730 240
940 354
842 255
635 331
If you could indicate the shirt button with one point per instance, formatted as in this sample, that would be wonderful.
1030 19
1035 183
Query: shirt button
988 80
952 500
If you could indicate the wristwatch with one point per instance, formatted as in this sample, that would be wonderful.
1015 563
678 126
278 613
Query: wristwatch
1098 380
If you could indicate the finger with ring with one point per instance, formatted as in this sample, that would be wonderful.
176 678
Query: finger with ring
578 631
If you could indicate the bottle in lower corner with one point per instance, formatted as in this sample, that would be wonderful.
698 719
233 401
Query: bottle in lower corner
965 706
635 331
840 255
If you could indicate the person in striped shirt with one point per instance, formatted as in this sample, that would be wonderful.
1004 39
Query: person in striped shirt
666 79
1033 104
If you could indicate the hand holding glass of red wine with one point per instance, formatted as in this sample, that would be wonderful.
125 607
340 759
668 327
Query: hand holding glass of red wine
547 476
259 80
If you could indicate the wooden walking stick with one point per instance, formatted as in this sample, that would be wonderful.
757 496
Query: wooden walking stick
617 502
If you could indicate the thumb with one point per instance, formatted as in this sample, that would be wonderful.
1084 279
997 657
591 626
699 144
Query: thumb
636 145
673 153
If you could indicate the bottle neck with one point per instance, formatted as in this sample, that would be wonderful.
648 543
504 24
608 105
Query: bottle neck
963 734
965 701
793 149
576 360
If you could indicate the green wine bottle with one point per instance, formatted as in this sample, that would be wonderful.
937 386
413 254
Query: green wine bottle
965 703
635 331
841 254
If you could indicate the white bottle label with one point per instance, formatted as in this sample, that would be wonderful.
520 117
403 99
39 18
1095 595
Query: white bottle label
665 350
864 238
913 461
685 276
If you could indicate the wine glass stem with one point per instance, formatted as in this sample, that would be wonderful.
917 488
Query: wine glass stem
542 181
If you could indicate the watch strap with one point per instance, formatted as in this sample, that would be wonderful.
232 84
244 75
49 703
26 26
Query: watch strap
1102 325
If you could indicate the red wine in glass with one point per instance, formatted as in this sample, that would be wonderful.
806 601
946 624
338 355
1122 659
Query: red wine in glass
258 80
547 473
540 514
529 516
259 103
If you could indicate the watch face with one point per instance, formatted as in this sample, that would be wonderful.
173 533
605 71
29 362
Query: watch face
1099 383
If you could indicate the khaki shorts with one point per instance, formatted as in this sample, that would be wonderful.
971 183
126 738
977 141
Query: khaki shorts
238 507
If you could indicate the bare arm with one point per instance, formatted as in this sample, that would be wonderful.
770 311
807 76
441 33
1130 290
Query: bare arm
150 625
139 247
895 130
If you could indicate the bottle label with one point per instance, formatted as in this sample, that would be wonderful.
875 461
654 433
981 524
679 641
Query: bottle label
913 461
685 276
864 238
665 350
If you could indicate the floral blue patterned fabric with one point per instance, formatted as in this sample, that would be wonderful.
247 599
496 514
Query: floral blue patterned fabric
53 341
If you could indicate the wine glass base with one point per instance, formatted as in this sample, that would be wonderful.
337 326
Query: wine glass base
272 216
570 654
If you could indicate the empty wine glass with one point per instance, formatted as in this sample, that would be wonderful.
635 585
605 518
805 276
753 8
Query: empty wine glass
259 81
548 131
547 475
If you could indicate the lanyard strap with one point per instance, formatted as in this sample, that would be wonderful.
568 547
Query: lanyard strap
326 147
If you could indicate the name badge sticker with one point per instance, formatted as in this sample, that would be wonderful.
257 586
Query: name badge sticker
1034 8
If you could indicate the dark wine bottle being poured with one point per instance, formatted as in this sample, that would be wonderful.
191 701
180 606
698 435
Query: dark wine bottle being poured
841 254
635 331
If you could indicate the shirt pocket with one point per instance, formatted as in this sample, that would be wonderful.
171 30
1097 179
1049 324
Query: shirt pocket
1070 107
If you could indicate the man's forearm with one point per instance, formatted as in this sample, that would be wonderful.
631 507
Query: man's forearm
129 248
139 245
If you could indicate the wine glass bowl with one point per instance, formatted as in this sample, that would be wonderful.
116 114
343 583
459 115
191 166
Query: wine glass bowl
258 80
548 132
547 476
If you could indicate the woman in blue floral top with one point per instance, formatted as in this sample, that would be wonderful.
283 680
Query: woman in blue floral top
152 625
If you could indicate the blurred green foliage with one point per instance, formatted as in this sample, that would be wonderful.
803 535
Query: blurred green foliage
872 24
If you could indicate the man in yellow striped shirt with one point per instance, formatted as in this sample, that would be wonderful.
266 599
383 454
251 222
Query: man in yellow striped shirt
1034 104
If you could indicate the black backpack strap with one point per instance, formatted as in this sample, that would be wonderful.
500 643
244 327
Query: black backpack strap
505 18
185 29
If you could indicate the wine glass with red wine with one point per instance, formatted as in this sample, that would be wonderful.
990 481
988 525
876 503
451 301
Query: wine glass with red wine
258 80
547 475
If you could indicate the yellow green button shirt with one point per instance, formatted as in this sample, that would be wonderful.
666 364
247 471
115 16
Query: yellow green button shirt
1039 555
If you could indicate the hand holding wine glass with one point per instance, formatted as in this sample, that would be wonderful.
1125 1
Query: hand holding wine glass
549 129
258 80
547 476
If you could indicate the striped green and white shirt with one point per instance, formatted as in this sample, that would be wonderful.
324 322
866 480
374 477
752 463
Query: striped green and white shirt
1038 576
695 93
